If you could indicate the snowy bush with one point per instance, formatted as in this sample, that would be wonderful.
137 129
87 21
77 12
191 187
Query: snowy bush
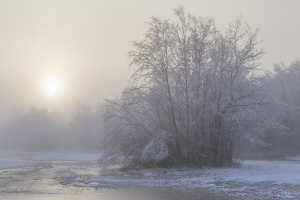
156 150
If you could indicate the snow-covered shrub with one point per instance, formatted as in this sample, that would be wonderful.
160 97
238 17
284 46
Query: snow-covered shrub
156 150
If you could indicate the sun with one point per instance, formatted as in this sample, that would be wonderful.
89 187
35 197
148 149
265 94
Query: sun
53 87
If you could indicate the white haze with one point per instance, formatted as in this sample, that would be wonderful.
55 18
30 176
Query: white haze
86 44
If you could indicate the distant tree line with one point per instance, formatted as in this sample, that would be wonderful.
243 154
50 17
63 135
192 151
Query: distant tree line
284 83
40 130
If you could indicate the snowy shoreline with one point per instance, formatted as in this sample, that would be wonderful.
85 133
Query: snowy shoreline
254 179
12 159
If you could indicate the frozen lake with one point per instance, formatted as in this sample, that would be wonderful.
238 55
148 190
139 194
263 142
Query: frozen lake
74 176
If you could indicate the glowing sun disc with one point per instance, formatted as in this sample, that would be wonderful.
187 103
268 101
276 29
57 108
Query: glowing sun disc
53 87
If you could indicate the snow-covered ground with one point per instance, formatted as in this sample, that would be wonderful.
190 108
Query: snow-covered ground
11 159
255 178
295 158
4 164
10 153
65 156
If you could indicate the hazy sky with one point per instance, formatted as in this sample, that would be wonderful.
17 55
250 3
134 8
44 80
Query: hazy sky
83 44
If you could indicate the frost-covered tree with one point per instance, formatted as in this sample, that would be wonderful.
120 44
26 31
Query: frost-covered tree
285 84
194 93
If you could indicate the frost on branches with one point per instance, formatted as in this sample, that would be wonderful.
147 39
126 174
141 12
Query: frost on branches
156 150
193 95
